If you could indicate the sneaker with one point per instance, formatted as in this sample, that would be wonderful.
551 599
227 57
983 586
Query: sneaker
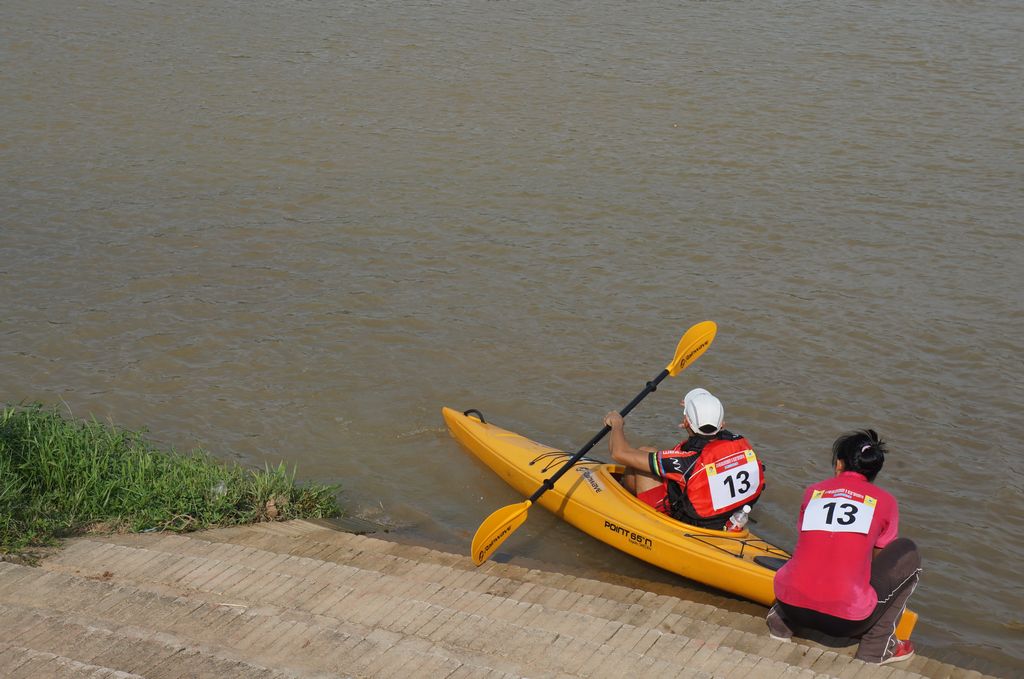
904 651
777 627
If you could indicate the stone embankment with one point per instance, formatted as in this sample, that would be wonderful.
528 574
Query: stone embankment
302 599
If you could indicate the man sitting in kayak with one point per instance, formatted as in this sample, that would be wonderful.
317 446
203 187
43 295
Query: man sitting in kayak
700 481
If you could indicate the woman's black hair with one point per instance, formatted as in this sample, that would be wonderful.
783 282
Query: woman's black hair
861 451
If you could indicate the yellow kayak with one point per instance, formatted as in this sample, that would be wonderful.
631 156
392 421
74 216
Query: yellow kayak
590 498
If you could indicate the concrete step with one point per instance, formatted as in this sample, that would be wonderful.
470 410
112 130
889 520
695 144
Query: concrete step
19 662
337 595
557 593
104 646
203 635
423 565
299 599
319 539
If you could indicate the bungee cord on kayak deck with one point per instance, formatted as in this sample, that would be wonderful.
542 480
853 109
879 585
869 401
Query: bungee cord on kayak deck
744 542
556 457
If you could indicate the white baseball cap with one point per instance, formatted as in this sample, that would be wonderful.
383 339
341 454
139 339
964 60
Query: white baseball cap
704 411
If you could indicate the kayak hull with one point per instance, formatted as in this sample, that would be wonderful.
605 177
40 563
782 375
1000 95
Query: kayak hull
590 498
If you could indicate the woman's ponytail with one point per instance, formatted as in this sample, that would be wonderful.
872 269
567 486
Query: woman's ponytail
861 451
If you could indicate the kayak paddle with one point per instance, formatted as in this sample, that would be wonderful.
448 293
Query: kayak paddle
500 524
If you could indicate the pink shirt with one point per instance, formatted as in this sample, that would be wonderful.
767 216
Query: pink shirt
842 520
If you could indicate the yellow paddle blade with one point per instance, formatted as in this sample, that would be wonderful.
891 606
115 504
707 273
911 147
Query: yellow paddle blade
694 343
495 529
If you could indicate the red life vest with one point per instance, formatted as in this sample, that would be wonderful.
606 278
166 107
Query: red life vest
722 476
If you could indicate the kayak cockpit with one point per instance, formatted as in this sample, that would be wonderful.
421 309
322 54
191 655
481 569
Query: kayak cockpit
741 545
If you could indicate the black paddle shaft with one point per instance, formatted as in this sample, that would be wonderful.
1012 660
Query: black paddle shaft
549 483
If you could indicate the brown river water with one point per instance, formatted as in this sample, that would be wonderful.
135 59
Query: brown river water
292 231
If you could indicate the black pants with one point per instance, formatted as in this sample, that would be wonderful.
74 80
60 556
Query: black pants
895 571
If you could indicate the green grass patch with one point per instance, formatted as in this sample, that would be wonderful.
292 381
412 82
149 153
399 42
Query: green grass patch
61 477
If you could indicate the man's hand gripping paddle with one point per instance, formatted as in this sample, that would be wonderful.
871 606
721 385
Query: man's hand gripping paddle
499 525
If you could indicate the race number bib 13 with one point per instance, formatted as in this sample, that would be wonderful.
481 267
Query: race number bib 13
839 511
733 479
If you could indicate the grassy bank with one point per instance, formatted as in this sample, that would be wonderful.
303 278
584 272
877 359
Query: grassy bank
60 477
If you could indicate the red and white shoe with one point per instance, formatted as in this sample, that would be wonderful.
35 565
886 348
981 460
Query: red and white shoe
904 651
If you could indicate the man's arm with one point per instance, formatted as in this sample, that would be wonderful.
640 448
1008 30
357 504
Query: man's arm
620 449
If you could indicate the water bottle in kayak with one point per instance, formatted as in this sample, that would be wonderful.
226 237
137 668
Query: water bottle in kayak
738 521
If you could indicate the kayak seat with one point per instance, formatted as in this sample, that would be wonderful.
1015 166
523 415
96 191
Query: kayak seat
772 563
